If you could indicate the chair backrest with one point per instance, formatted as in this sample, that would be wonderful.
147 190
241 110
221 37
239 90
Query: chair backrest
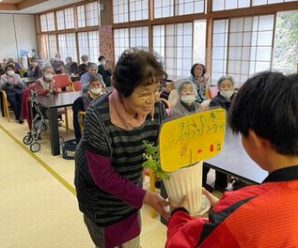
212 92
4 104
31 87
81 117
62 81
76 86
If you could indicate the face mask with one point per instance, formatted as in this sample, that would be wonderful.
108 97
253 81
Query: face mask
188 99
10 73
227 93
49 76
95 91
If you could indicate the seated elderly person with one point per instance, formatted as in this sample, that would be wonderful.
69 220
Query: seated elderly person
46 84
85 78
186 102
13 86
34 70
95 89
71 67
58 64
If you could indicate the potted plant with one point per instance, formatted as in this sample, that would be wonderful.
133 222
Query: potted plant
178 184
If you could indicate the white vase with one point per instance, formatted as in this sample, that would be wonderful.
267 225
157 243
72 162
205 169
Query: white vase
186 181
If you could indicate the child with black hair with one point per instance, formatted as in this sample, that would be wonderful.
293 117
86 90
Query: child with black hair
265 112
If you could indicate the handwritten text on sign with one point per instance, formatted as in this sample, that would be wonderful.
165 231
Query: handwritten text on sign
192 138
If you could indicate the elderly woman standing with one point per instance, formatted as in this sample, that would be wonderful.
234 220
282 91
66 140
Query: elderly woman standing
108 173
13 85
186 102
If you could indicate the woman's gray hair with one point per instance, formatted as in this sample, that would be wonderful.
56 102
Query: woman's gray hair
223 78
47 67
182 82
93 65
84 58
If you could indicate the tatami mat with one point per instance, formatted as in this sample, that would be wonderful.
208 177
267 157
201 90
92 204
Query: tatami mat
38 208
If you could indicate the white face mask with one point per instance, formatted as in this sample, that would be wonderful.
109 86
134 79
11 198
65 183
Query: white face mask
96 91
188 99
49 76
10 73
227 93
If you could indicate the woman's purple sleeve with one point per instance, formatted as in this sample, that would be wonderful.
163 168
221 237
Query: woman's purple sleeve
108 180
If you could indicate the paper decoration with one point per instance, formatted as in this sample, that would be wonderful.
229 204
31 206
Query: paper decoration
192 138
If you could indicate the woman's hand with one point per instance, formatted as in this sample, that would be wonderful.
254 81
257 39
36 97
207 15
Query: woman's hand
212 199
155 201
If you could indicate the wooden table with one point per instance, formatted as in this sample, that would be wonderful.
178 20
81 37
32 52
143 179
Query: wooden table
29 80
234 161
52 103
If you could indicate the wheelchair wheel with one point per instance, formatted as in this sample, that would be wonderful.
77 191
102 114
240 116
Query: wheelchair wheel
35 147
28 139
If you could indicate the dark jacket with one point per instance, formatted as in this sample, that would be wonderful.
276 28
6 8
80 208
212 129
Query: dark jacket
72 68
106 75
220 101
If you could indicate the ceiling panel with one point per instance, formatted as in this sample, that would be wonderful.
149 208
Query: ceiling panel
41 7
11 1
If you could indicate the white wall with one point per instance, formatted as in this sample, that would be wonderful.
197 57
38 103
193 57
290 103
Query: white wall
16 32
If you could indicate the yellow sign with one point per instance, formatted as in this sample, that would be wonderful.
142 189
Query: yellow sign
191 139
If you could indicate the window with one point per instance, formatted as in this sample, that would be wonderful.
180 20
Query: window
65 19
69 18
60 20
121 41
89 45
134 37
139 37
249 47
88 15
285 42
159 41
174 42
163 8
43 23
182 7
51 21
199 41
186 7
81 16
229 4
47 22
52 46
92 15
138 10
67 46
130 10
120 8
219 49
265 2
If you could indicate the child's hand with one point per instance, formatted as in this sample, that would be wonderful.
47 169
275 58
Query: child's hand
212 199
182 204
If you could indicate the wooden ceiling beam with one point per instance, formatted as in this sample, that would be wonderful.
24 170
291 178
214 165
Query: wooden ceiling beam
7 6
